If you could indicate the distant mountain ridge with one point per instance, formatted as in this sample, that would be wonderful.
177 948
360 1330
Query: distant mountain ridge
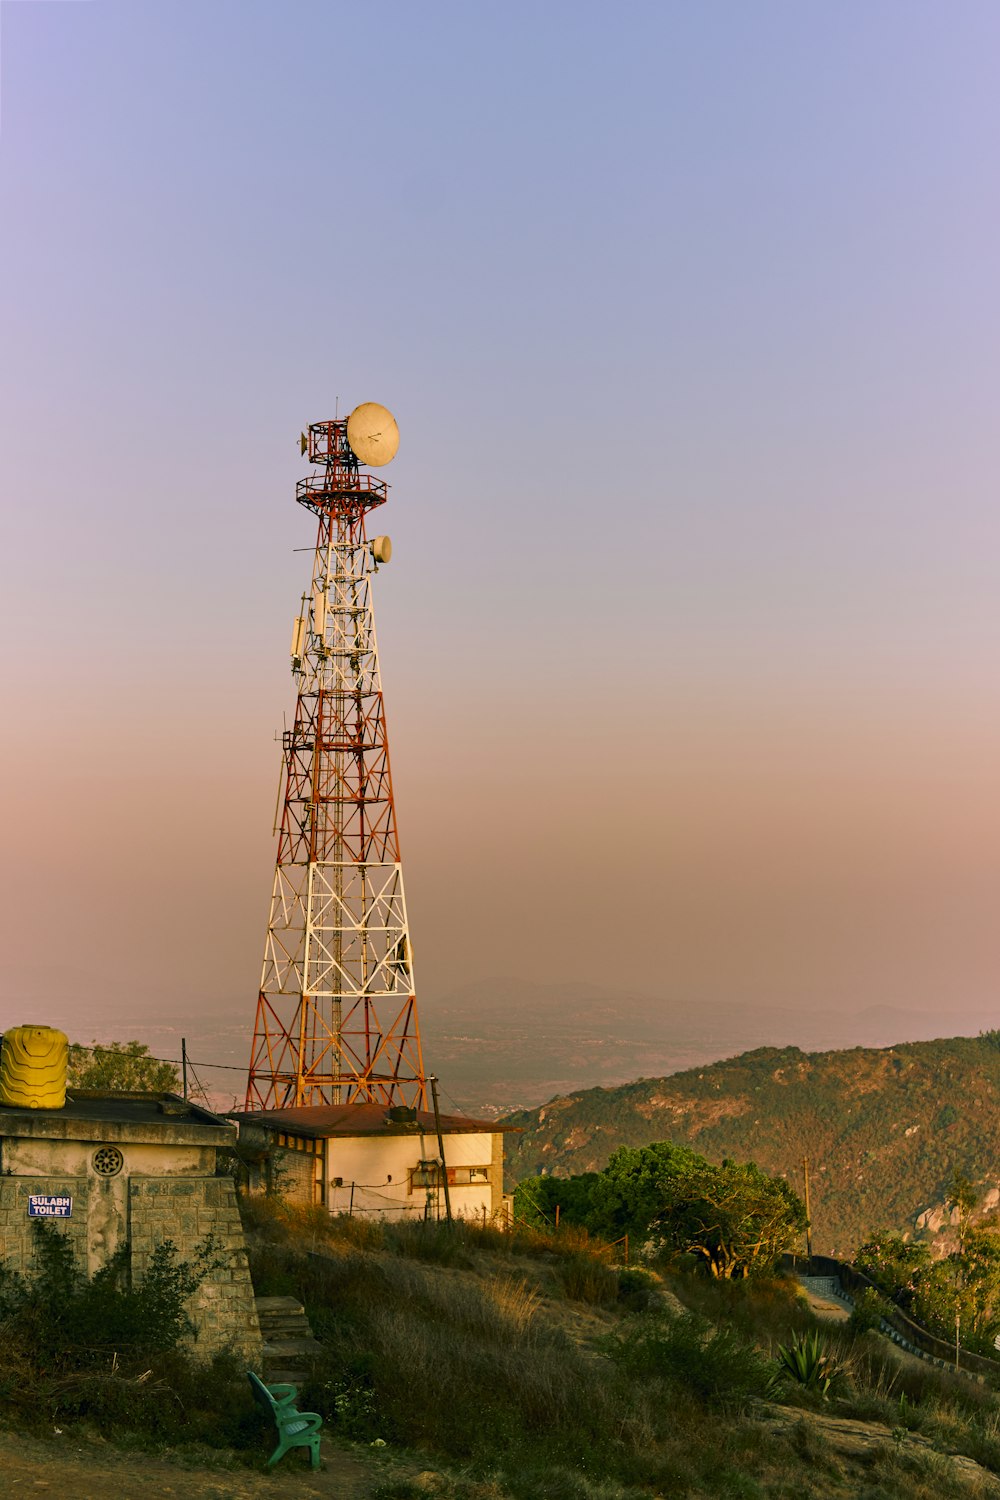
884 1129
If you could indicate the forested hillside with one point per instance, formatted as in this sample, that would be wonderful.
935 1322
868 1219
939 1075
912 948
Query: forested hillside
885 1129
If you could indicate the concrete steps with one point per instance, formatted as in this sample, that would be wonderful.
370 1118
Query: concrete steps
290 1350
824 1286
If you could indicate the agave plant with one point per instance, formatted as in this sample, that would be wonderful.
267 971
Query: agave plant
806 1360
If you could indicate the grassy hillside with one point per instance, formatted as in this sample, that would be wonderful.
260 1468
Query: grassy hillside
523 1366
884 1129
475 1363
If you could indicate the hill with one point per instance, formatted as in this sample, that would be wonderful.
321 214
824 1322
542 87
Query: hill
516 1365
884 1129
474 1362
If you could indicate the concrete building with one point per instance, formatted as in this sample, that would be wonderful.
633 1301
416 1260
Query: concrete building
131 1169
375 1160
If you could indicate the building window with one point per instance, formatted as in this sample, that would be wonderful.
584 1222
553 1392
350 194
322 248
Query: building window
463 1176
300 1143
427 1174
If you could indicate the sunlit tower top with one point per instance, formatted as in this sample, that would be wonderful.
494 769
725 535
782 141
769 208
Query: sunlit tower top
336 1018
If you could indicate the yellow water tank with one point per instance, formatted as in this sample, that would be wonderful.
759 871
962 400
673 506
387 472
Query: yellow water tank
33 1062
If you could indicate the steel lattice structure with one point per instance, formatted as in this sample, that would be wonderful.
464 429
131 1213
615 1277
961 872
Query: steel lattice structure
336 1018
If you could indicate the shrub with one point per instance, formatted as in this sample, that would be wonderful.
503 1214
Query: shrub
584 1278
441 1244
347 1399
807 1361
715 1364
636 1289
868 1312
106 1351
69 1321
459 1364
763 1309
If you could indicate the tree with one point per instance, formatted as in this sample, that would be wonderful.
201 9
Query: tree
628 1195
734 1218
964 1285
536 1200
978 1272
894 1264
120 1066
962 1196
964 1288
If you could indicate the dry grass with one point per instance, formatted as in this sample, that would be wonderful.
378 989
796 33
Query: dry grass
516 1302
468 1348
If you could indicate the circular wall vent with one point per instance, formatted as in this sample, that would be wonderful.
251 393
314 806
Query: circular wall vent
108 1161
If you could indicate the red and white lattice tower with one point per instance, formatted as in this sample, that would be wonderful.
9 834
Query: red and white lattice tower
336 1018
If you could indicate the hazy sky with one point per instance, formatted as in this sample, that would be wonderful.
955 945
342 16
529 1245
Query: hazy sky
690 318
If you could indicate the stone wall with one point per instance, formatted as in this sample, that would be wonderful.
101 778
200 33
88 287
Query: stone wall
186 1210
17 1240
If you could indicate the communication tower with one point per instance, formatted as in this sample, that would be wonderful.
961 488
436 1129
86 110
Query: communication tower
336 1018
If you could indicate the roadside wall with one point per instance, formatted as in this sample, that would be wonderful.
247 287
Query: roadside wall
925 1342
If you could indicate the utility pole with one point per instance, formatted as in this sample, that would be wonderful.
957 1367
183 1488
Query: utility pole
809 1238
184 1064
437 1126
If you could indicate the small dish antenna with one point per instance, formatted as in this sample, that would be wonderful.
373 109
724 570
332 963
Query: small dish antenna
373 434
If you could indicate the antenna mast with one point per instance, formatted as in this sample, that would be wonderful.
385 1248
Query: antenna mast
336 1018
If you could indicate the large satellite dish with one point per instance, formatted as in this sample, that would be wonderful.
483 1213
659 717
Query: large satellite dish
373 434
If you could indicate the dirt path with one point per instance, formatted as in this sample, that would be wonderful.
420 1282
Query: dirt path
95 1471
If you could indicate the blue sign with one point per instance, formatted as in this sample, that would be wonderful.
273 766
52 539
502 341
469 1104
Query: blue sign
45 1206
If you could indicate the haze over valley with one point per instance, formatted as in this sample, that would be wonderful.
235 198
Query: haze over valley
505 1044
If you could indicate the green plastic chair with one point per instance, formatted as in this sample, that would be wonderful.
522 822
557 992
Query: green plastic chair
296 1429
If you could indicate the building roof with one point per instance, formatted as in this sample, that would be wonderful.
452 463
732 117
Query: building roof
88 1114
323 1120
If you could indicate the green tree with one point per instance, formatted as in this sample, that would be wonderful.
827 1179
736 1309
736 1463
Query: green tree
120 1066
965 1284
536 1199
962 1196
628 1196
980 1281
734 1218
894 1264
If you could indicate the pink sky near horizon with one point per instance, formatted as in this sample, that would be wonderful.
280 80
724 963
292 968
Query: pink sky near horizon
690 636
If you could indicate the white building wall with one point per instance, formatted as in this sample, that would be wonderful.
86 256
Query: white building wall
375 1175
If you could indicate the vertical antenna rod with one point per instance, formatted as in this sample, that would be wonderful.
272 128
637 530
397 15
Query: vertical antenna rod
336 1017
